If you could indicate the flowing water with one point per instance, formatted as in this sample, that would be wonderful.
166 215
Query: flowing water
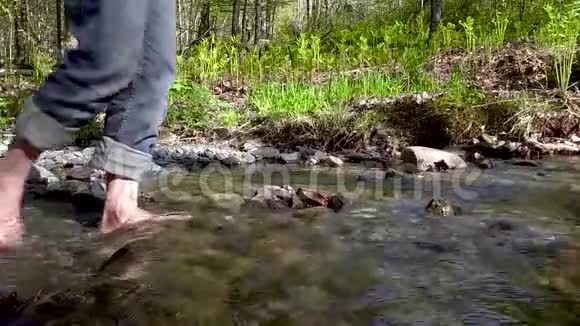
382 260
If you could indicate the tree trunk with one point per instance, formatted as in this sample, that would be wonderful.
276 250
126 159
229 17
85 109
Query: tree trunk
522 10
436 11
59 27
245 36
236 17
204 24
257 21
271 18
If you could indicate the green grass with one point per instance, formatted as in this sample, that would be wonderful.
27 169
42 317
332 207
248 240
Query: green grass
284 100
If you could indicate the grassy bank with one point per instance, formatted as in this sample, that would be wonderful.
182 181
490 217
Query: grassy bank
479 74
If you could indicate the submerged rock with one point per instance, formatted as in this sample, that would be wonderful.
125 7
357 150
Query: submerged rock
392 173
338 202
528 163
312 197
311 213
430 159
227 201
441 207
275 197
479 160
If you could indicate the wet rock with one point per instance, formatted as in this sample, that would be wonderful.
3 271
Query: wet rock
359 157
485 138
252 144
306 152
484 164
210 154
502 150
222 155
479 160
441 207
275 197
320 155
430 159
500 226
392 173
266 153
527 163
76 161
88 152
91 199
41 175
312 197
432 246
333 161
247 158
311 161
311 213
232 161
288 158
82 173
227 201
338 202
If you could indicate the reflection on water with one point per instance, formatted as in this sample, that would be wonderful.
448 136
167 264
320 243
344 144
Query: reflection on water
381 261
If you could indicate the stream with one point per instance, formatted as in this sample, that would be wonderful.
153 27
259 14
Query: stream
381 260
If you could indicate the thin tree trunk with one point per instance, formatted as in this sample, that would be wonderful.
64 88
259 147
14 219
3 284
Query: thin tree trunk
17 35
10 35
204 27
436 11
59 27
245 22
236 17
257 21
272 19
179 25
522 10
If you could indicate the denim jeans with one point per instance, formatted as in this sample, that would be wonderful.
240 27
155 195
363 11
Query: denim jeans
123 66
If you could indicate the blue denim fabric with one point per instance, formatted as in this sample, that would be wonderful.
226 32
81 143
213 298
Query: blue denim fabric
124 65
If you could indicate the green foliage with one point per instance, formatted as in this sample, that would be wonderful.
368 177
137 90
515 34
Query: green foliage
42 64
469 30
193 107
560 35
299 99
500 23
448 35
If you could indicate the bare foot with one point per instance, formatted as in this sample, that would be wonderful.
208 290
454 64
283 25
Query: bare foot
121 205
11 231
14 170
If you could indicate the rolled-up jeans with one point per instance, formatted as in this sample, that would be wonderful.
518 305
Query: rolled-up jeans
123 65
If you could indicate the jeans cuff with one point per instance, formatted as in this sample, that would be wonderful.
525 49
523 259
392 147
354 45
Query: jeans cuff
119 159
41 130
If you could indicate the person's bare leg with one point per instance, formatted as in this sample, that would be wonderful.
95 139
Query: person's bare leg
14 170
121 205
